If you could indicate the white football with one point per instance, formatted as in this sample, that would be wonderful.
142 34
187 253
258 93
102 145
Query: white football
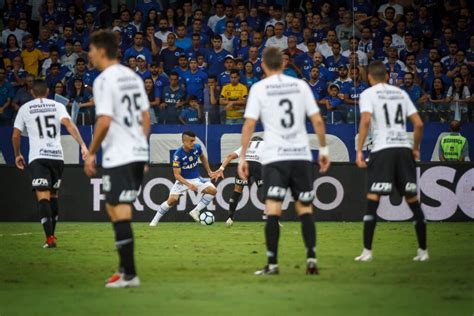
207 218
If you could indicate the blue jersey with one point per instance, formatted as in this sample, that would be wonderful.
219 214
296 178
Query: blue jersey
215 61
333 66
224 78
195 83
188 161
319 88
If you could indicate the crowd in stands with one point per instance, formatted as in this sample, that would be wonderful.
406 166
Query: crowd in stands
199 59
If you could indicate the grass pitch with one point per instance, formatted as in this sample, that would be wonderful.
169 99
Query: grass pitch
190 269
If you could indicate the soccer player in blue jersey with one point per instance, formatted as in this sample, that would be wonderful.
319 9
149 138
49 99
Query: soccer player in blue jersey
186 172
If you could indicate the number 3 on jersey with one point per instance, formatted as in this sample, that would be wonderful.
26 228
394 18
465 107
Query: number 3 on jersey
289 120
134 113
399 117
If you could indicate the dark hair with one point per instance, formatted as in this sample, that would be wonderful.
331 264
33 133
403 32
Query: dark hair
273 58
193 98
217 37
433 92
174 73
212 77
53 65
107 41
234 72
16 40
80 59
40 88
188 133
461 89
377 70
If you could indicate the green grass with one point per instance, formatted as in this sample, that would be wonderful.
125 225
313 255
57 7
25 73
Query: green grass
189 269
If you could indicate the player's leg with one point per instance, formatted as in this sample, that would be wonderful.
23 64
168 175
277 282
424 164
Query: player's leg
276 181
164 207
234 201
370 222
53 201
44 210
56 169
406 184
208 191
301 184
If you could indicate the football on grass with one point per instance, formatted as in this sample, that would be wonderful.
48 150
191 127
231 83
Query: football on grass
206 218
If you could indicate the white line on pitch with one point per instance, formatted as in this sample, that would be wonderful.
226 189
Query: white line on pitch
30 233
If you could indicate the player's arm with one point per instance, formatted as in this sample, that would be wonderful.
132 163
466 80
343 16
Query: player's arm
247 130
320 129
205 164
417 134
16 140
146 123
179 177
365 118
220 172
102 125
72 129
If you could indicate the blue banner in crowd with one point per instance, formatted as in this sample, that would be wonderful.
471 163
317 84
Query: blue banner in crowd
219 140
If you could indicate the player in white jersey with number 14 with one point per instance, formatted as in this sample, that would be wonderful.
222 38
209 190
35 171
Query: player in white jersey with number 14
392 160
42 119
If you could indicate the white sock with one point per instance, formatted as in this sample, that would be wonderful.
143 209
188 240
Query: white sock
204 202
162 210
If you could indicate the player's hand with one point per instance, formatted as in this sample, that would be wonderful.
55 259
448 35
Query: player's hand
89 166
193 188
416 154
84 152
216 175
360 161
20 162
324 163
243 169
146 168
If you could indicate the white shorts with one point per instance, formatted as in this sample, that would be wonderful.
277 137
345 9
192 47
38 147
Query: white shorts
201 183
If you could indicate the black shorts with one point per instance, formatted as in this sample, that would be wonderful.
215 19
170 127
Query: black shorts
392 168
255 175
296 175
46 174
121 184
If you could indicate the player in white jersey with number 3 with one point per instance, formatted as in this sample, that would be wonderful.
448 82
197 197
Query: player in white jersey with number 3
392 160
122 127
41 118
283 103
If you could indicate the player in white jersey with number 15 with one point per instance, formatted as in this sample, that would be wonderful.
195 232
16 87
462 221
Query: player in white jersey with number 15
283 103
392 159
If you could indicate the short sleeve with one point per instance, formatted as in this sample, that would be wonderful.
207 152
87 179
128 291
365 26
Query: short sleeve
311 107
365 103
62 113
253 108
224 89
411 109
199 149
103 97
245 91
20 121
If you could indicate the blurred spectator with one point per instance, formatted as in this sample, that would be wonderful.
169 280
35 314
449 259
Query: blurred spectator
142 70
234 98
459 96
84 100
335 60
195 80
211 100
182 39
454 146
438 103
346 30
288 67
169 56
334 105
173 98
351 96
191 114
6 95
318 86
228 36
153 99
248 77
278 40
31 56
416 94
16 76
12 29
24 94
13 49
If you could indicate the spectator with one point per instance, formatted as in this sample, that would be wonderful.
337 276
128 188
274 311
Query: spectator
79 50
169 56
416 94
163 32
395 67
288 67
334 105
196 47
248 77
151 42
53 59
351 96
228 37
211 100
295 30
459 96
12 29
191 114
408 46
437 73
382 52
343 81
182 67
346 30
12 50
425 24
233 98
215 57
450 62
173 98
454 146
24 94
31 56
278 40
224 77
366 44
182 40
304 61
241 45
137 48
438 102
219 15
44 42
353 48
318 86
69 57
410 67
195 79
256 62
6 95
160 79
276 16
16 76
142 70
152 98
292 50
197 28
222 24
334 61
59 89
398 38
85 102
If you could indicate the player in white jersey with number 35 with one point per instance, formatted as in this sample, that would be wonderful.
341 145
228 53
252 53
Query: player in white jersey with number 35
283 103
122 127
42 119
392 159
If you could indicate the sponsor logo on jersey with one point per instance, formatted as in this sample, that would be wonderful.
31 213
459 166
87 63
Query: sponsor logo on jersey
190 166
381 187
39 182
128 196
276 192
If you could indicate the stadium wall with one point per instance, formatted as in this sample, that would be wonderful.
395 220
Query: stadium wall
446 191
219 140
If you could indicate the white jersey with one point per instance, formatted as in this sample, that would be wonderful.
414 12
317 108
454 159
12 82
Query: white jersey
254 151
120 93
41 119
282 103
390 106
